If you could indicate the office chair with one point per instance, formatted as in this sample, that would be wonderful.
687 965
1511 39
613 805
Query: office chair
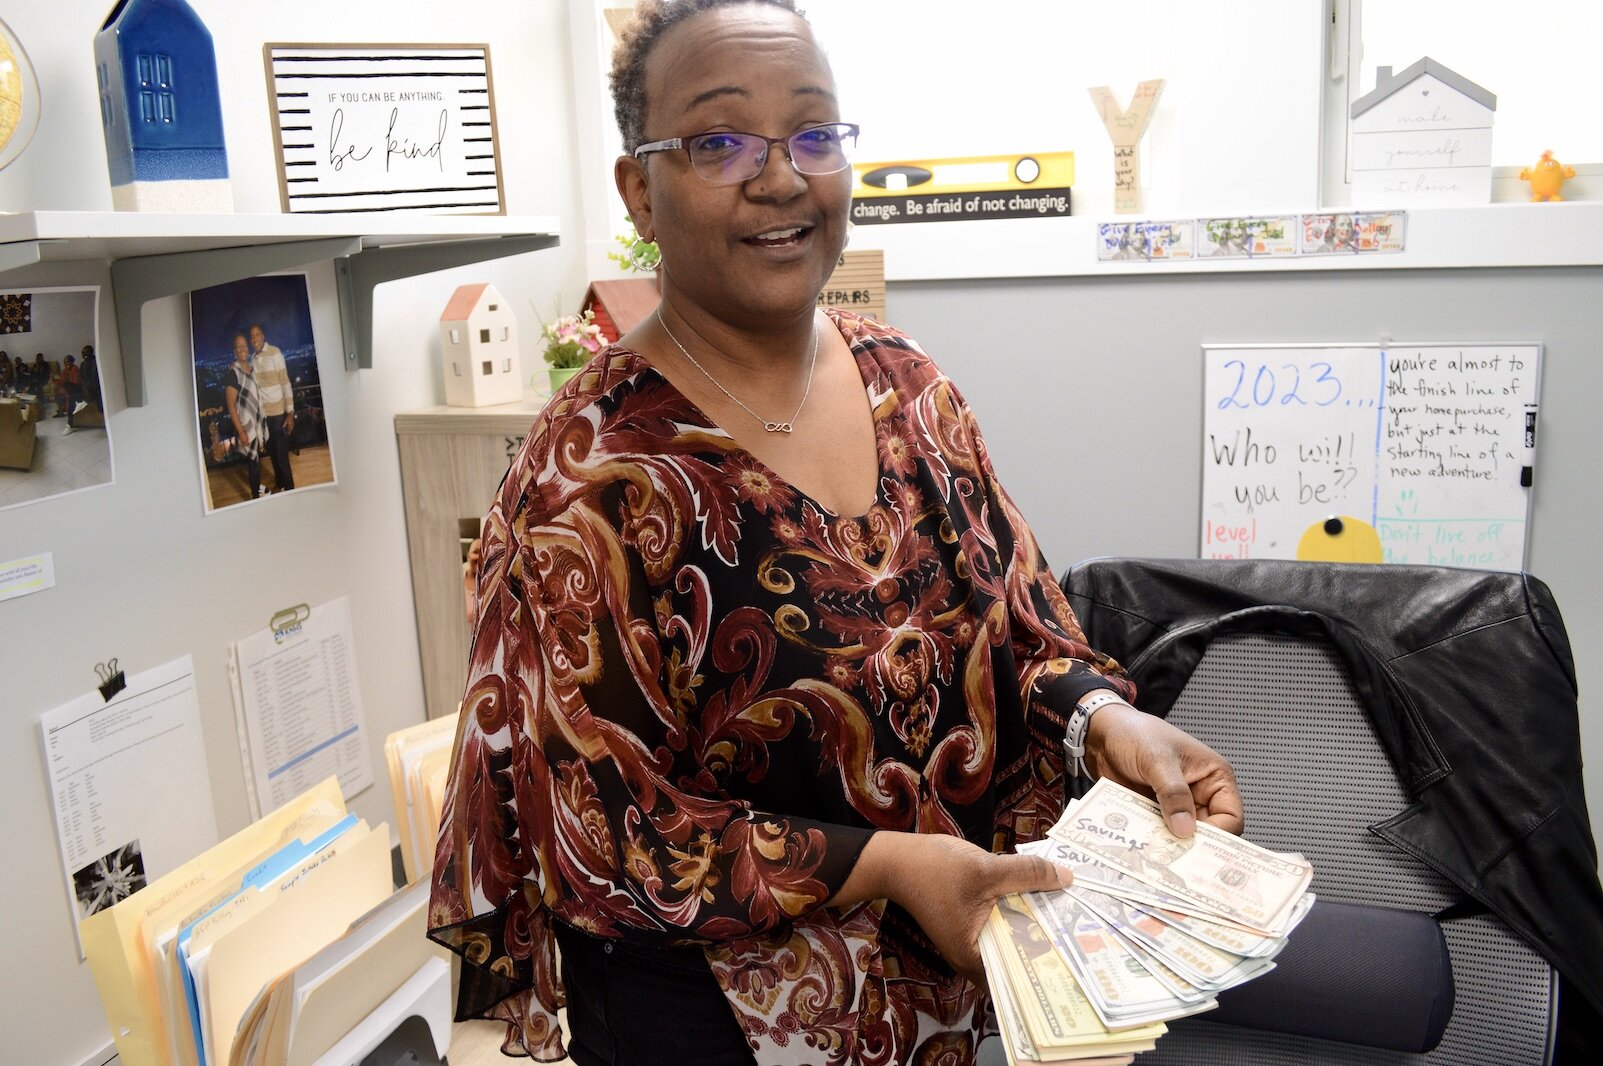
1281 666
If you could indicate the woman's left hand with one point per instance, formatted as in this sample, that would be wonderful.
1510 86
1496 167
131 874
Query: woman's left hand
1189 779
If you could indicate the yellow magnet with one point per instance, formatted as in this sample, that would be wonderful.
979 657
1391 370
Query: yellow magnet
1340 539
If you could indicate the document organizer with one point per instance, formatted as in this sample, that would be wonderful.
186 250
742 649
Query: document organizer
410 1028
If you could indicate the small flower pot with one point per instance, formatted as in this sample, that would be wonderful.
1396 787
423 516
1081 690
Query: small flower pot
560 377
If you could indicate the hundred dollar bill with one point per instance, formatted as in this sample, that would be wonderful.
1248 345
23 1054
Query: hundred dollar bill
1049 1001
1009 1019
1201 922
1233 938
1016 1047
1091 872
1183 990
1039 1005
1224 874
1033 980
1201 965
1121 990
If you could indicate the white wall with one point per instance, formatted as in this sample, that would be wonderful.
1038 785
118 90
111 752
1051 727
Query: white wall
1235 131
138 565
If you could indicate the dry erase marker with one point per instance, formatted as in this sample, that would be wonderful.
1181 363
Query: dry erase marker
1529 467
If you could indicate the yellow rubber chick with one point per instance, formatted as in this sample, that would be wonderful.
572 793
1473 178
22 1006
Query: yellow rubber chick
1547 178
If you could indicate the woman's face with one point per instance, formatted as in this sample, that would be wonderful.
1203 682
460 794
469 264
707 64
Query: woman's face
748 69
241 350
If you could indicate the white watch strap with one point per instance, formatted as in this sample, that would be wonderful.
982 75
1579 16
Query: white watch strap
1079 726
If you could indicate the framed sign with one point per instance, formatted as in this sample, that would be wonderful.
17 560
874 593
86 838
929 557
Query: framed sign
400 128
858 283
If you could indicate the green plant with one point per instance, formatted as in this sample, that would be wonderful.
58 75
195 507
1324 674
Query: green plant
638 255
571 340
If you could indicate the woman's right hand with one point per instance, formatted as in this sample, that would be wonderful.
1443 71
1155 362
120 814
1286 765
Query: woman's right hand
948 886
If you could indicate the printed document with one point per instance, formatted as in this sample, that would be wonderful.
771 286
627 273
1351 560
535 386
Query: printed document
300 707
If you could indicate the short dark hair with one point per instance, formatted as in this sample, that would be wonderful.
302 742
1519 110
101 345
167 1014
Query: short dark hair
651 19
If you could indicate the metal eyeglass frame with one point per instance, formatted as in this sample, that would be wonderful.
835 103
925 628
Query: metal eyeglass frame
681 144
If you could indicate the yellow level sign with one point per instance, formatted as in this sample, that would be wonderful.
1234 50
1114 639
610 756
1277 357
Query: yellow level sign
975 173
967 188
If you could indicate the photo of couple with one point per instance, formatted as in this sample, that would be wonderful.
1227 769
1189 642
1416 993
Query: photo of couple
258 395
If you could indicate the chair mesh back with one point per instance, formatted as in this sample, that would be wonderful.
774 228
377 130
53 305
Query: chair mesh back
1314 778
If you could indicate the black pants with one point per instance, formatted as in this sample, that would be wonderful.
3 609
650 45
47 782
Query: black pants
630 1005
278 451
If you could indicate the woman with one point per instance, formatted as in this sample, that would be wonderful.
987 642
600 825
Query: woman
766 664
244 406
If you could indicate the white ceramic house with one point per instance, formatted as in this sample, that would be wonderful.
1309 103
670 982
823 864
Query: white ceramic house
479 349
1422 138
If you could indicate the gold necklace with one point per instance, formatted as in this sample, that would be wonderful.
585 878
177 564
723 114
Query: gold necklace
772 427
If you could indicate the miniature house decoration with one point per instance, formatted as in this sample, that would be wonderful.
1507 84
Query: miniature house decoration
1422 138
160 109
479 346
620 305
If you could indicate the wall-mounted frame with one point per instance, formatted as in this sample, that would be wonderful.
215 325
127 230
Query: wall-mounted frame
392 128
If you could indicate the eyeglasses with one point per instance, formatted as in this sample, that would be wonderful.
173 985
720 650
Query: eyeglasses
728 158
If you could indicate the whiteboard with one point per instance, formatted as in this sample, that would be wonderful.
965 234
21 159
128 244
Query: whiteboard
1426 442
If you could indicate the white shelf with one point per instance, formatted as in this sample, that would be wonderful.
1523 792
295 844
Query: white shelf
154 255
110 235
1494 235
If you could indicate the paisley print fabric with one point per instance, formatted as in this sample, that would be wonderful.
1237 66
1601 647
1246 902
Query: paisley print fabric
695 692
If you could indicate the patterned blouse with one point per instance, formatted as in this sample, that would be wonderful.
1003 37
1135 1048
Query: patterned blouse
694 693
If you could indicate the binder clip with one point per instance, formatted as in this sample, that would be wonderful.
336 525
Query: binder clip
112 680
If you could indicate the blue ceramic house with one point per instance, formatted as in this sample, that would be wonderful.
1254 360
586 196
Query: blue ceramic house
160 109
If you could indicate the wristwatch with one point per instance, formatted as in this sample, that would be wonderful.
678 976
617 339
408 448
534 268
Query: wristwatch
1079 725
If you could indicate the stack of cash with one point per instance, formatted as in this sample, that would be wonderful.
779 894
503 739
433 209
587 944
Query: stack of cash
1152 929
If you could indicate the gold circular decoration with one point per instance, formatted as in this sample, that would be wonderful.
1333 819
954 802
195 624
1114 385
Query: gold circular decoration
19 97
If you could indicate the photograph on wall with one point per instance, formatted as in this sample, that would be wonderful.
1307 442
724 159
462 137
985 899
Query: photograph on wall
53 434
258 394
109 880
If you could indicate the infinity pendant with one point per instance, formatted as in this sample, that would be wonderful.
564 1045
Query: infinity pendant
778 427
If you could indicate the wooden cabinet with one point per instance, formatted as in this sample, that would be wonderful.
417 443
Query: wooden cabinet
452 460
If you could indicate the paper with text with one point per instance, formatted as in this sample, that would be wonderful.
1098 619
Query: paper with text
129 784
1426 443
299 707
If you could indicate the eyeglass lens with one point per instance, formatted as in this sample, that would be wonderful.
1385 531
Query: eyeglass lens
727 158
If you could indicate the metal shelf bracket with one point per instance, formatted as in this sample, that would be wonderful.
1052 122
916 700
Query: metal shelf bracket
357 274
138 280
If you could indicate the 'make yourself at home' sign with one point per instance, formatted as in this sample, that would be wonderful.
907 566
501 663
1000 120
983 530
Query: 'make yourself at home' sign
406 129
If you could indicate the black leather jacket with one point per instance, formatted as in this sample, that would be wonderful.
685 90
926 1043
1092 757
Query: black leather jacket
1471 689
